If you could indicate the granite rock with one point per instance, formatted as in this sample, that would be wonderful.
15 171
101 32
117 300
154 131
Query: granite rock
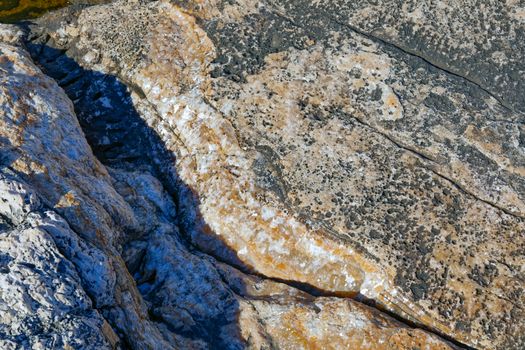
309 147
92 250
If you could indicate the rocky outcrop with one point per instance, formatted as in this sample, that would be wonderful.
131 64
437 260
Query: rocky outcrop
91 253
252 173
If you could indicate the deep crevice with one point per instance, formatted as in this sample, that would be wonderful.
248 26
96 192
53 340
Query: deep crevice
157 171
357 297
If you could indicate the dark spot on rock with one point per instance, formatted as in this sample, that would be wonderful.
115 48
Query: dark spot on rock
422 275
5 259
375 234
376 94
28 265
419 290
439 102
268 171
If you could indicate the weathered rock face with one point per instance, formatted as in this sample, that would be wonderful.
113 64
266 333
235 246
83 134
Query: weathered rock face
91 255
480 41
42 301
293 140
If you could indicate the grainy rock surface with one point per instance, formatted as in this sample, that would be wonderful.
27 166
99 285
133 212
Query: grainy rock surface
212 168
91 253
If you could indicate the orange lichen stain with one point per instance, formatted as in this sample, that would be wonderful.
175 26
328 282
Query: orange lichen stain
295 329
359 328
28 167
68 200
392 101
15 10
280 266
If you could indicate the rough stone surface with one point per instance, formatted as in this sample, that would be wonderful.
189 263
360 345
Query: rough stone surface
478 40
91 255
243 158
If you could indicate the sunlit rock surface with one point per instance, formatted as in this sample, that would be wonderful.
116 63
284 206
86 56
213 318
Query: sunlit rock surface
92 255
295 141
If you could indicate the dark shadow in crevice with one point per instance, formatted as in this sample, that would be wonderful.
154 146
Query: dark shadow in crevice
121 139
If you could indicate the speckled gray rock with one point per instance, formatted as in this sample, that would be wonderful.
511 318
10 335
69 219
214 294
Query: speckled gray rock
311 148
91 251
480 41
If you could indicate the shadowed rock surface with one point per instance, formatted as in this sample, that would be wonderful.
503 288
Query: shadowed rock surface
238 174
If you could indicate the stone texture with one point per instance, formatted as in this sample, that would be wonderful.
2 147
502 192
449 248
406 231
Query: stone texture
478 40
92 254
311 148
43 304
